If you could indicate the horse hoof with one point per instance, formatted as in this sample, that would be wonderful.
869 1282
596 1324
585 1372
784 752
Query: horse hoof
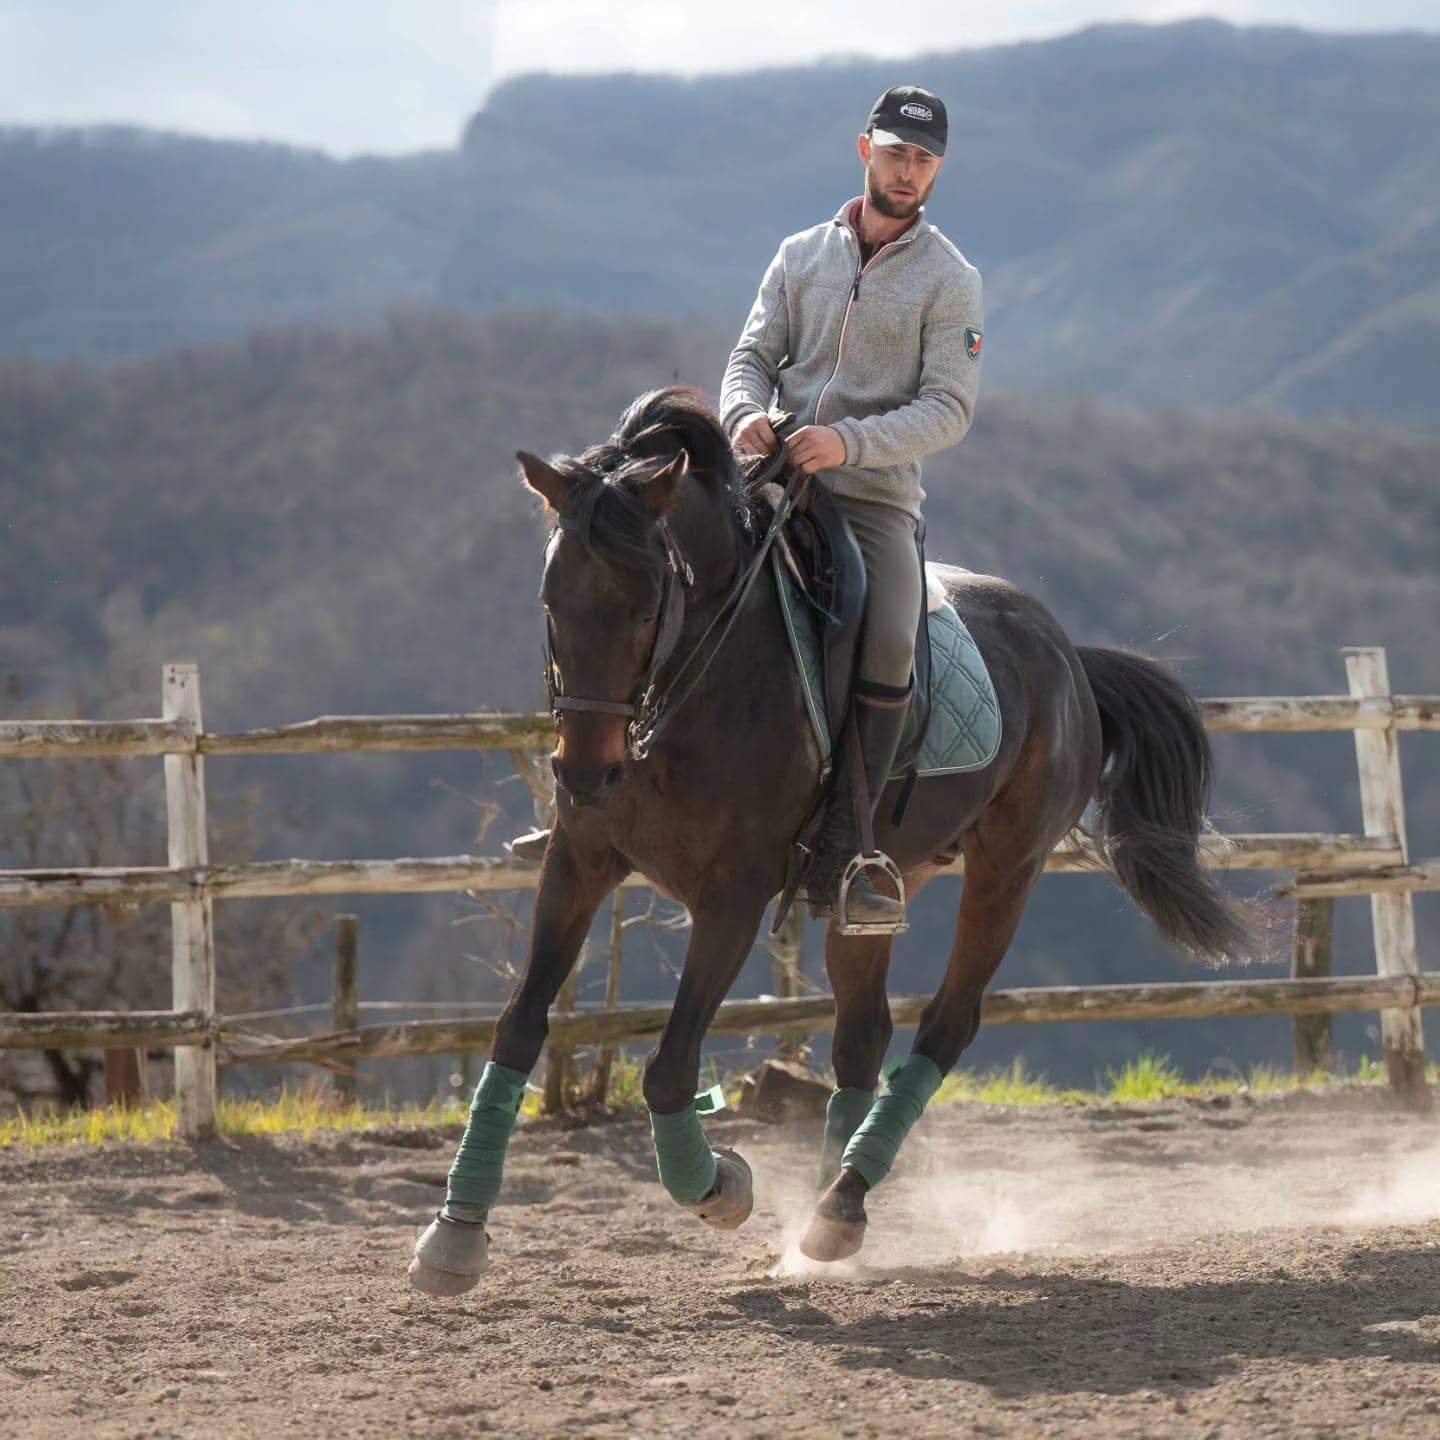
837 1228
828 1240
728 1205
450 1257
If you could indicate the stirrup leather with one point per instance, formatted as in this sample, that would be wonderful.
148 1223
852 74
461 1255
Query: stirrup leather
878 861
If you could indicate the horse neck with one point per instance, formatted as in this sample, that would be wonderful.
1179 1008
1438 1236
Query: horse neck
705 527
711 538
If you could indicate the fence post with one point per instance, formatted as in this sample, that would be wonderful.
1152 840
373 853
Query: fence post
1314 947
787 949
191 921
1392 916
345 996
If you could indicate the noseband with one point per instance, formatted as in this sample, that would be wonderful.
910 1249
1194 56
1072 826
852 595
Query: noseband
655 704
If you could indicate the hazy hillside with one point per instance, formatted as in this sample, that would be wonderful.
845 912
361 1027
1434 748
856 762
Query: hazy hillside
330 523
1188 214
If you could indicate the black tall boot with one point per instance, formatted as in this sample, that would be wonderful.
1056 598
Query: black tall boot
879 722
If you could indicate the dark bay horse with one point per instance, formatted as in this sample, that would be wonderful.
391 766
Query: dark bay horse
708 813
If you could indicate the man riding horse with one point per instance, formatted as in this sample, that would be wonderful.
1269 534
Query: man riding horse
869 327
685 744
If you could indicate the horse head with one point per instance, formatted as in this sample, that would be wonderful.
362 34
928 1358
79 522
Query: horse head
611 590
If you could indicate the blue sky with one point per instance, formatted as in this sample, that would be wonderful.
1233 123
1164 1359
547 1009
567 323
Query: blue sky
401 75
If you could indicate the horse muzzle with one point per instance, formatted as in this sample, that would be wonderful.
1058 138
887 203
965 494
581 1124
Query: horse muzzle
587 787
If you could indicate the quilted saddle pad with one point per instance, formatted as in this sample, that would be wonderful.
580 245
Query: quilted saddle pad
964 730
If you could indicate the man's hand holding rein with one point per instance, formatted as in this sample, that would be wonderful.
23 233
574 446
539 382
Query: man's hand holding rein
816 447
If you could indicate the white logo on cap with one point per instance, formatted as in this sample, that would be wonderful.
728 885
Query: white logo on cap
917 112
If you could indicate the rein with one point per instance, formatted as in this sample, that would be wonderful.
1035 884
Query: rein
656 703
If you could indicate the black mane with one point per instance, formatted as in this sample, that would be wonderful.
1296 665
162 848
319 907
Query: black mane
606 508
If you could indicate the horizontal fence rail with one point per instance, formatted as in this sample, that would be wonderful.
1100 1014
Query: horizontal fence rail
1196 1000
106 1029
630 1024
1398 879
340 734
267 879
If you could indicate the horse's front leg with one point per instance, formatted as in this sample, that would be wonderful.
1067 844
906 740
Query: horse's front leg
452 1254
716 1185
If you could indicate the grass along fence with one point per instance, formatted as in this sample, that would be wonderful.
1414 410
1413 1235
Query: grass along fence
1322 866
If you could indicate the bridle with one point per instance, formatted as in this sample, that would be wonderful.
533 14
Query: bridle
656 703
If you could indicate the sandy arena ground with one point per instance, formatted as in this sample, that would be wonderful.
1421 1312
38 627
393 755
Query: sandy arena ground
1249 1268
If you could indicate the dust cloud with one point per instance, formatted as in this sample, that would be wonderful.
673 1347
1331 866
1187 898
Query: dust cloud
971 1186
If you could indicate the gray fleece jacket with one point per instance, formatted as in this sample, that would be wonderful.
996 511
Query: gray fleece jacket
887 353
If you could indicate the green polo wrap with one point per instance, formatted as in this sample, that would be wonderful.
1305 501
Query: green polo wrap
474 1181
687 1167
874 1146
847 1108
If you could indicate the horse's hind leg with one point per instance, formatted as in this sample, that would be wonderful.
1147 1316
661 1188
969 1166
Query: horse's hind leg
858 967
997 886
452 1254
716 1185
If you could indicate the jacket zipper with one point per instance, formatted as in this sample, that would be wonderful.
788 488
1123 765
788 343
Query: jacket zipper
860 273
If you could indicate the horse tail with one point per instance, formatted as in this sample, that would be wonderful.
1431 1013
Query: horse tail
660 423
1150 806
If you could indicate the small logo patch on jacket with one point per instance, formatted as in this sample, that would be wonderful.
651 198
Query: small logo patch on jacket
974 342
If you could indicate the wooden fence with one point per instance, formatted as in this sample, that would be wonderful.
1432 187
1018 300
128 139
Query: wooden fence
1376 863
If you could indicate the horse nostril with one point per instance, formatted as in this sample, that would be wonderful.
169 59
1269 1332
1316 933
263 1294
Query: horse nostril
613 775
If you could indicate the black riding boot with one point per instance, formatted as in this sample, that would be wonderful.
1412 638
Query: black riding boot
879 721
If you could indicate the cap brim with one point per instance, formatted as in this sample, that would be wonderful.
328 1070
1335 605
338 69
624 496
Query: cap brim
907 136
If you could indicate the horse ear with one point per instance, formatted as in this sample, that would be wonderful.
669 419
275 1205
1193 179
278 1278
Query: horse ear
661 490
546 481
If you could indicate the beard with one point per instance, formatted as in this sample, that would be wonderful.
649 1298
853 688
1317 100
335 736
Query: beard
893 209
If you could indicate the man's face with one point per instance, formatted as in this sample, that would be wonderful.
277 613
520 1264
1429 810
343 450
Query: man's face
898 178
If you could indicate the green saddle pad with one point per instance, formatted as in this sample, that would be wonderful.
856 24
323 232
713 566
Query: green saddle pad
964 729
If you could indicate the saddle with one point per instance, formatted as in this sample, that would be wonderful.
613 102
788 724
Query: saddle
819 551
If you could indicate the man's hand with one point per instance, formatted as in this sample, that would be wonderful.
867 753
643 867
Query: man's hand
816 447
755 437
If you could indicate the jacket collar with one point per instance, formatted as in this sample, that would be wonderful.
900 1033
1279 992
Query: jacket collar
845 217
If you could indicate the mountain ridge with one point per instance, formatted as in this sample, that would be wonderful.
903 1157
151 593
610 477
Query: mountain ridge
1191 214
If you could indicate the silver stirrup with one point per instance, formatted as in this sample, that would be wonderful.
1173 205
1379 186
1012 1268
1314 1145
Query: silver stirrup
878 861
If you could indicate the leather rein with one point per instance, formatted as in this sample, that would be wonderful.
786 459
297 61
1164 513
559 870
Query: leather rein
656 701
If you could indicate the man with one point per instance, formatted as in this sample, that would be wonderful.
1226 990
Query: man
868 328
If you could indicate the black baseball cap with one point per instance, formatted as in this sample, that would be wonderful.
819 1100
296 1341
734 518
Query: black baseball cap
908 115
